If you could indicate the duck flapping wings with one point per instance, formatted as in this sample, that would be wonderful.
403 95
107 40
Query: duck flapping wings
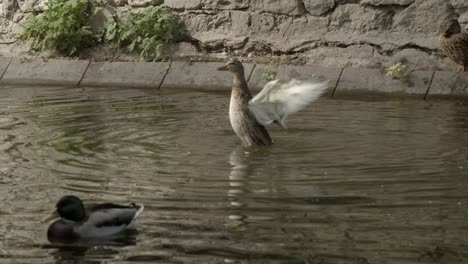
278 99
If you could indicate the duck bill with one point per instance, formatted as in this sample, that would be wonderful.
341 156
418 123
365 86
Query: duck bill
53 215
223 68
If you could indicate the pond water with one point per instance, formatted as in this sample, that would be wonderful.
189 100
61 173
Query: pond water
348 182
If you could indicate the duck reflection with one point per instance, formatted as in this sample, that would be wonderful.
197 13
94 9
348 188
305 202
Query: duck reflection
91 251
239 160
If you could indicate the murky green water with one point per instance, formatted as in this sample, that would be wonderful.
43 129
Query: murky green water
349 182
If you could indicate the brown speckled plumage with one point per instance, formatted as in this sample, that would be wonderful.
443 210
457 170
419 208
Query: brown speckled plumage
454 44
242 120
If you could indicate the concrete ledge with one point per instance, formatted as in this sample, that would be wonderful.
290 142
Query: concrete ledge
128 74
347 82
4 62
262 73
39 71
200 76
356 81
449 84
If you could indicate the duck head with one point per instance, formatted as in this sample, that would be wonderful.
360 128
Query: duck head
452 27
68 207
234 66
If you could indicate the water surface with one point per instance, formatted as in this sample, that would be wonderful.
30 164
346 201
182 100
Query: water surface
348 182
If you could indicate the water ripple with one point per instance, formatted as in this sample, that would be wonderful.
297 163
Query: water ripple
349 182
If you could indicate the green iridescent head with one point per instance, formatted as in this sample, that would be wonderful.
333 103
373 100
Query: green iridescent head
68 207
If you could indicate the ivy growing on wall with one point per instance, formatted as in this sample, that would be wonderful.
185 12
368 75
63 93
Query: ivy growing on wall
63 26
145 31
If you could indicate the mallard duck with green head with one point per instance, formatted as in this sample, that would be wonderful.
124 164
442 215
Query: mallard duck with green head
94 221
277 99
454 44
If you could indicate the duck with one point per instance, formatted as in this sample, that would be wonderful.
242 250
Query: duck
454 44
75 221
249 115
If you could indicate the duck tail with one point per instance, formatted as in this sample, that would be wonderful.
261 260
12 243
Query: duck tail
141 207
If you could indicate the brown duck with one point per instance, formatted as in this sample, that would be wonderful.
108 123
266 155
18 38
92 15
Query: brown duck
454 44
276 100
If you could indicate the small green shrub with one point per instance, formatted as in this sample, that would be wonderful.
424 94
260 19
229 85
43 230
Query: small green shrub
145 31
398 71
269 75
62 26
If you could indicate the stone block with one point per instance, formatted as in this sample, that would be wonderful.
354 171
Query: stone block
41 71
282 7
359 81
387 2
319 7
264 73
33 6
207 4
449 84
4 61
360 18
183 4
143 3
128 74
200 76
424 16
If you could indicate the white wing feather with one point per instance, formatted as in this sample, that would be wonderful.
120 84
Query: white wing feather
279 99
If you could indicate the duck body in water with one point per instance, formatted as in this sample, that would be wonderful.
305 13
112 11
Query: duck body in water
92 222
454 44
249 115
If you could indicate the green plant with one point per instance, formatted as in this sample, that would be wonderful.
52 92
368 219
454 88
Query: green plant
145 31
398 71
62 26
269 75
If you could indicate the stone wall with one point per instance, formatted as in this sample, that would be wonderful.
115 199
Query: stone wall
337 33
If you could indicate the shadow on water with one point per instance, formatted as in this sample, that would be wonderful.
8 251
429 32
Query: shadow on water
90 250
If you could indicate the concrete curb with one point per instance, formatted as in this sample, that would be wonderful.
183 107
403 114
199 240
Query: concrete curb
128 74
40 71
199 76
344 82
356 81
448 84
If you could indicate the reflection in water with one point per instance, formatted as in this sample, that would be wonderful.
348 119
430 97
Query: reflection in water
238 159
349 182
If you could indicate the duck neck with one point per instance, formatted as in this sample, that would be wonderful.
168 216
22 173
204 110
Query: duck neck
240 88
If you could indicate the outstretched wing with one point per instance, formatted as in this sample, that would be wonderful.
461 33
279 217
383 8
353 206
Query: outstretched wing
279 99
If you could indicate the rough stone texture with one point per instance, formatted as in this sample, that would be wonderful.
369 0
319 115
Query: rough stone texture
8 8
425 16
387 2
207 4
33 6
200 76
128 74
283 7
336 33
446 84
319 7
143 3
353 81
354 17
39 71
